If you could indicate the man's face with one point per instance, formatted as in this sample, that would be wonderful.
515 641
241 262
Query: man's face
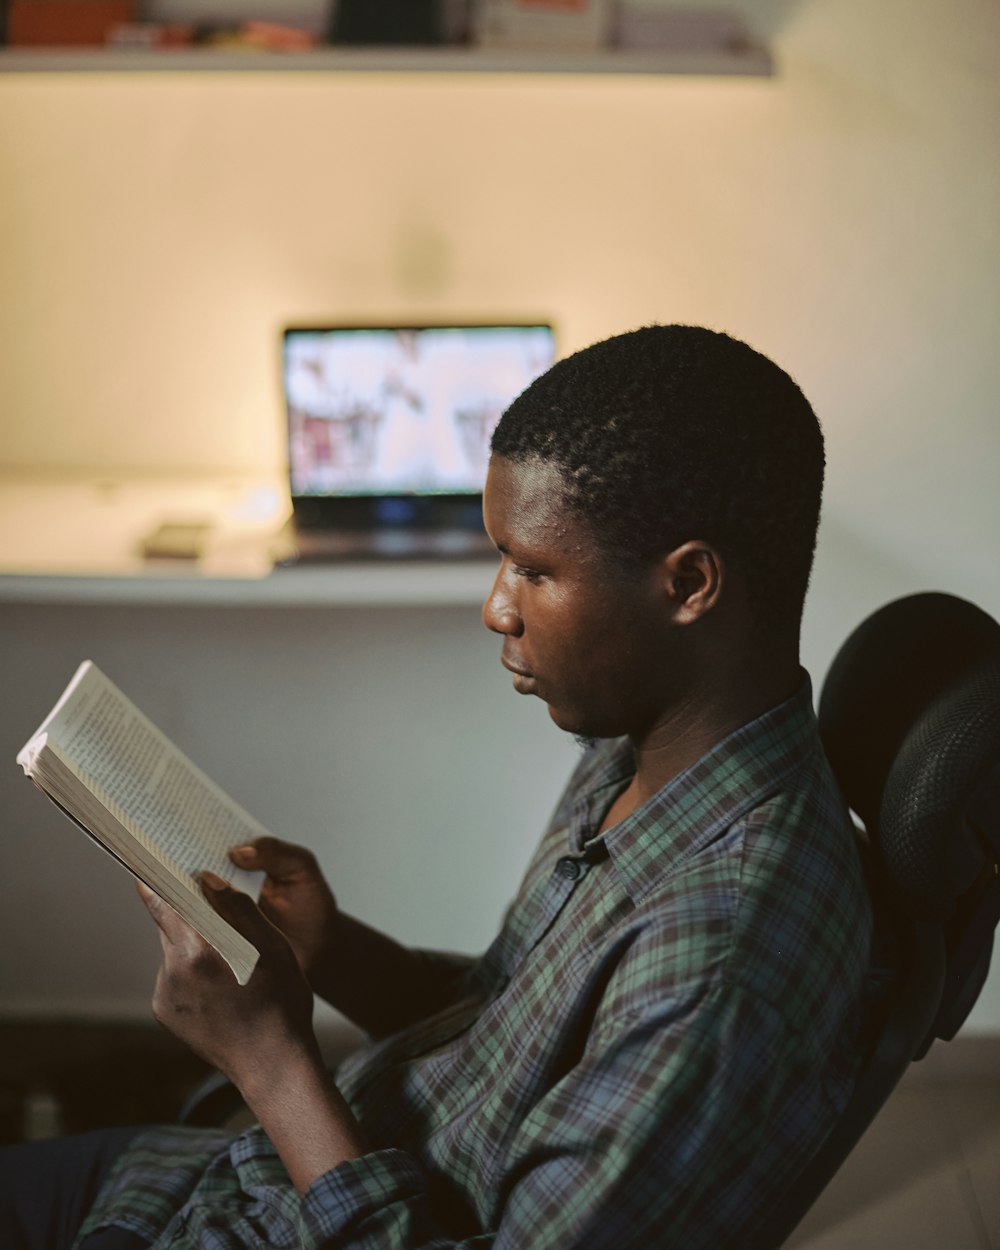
584 636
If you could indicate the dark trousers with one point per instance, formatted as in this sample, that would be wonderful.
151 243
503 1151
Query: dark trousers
48 1187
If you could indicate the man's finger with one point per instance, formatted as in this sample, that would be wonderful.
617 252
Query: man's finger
236 907
280 860
174 930
162 913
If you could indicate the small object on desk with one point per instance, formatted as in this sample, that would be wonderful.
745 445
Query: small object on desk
176 540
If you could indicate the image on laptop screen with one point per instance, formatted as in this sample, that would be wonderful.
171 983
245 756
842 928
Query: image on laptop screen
380 412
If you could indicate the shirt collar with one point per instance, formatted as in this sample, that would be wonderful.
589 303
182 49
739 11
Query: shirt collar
690 811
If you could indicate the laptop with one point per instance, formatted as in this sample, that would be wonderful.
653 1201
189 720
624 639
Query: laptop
388 433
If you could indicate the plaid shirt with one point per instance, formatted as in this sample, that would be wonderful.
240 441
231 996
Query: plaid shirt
663 1032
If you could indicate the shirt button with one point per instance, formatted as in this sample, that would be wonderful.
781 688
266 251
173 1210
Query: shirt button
568 868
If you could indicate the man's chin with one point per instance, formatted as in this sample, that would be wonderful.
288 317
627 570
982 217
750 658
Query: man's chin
575 726
587 730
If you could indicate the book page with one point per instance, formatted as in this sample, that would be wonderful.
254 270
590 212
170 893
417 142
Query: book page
186 816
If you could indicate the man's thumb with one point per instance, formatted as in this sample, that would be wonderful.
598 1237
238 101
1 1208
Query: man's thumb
236 907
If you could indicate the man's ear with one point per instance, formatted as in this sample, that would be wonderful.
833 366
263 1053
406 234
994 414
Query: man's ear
693 577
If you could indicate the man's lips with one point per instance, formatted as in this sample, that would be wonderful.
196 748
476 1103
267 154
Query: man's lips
524 681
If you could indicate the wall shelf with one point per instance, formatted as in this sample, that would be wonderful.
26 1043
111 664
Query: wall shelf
747 60
388 585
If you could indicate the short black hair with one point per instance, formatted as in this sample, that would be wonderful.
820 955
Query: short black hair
672 433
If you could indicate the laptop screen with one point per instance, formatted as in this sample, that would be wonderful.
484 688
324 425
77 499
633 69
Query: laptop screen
401 413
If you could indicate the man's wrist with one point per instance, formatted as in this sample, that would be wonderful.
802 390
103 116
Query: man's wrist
267 1069
299 1107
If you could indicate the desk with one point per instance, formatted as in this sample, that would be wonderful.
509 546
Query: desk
78 540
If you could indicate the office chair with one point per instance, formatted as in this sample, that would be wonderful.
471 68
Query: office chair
910 720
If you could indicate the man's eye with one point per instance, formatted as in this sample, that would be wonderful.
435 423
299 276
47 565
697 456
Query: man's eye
531 575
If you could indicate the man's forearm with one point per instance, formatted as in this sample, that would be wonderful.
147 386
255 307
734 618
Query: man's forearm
379 984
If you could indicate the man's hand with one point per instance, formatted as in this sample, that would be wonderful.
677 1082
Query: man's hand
238 1029
373 980
259 1034
294 897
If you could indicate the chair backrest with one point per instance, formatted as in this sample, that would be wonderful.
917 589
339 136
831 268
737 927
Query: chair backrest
910 720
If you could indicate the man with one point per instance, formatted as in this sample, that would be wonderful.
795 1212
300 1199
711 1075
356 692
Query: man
667 1024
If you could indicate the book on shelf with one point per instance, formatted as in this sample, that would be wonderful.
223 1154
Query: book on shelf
123 781
550 25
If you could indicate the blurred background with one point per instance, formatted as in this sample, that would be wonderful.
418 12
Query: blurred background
157 229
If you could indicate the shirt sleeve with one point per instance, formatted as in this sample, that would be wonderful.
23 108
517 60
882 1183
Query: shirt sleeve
676 1127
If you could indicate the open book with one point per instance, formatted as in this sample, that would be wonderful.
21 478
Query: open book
125 783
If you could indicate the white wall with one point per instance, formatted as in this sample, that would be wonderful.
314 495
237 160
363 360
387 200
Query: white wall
156 231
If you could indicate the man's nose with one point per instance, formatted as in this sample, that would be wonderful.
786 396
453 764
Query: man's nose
500 612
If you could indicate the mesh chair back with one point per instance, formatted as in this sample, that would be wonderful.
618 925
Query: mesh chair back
910 719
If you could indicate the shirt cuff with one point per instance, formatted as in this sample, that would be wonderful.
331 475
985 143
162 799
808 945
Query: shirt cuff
379 1188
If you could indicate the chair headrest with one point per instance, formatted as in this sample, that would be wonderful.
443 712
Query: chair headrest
883 679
